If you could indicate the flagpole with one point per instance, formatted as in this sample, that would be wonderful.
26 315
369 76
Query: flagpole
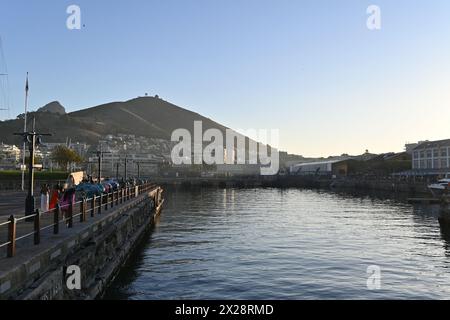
24 130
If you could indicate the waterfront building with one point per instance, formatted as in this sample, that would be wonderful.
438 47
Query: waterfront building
238 169
432 156
409 147
331 167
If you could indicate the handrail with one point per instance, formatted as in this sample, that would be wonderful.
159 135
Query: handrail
5 223
85 206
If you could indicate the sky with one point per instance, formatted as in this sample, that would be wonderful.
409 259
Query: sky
311 69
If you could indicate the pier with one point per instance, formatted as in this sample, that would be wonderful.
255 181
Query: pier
97 236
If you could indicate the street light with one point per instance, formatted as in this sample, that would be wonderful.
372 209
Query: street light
117 171
126 162
100 154
31 138
139 170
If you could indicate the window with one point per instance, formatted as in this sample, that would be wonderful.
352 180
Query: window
435 153
443 152
444 163
436 163
429 153
423 164
416 155
416 164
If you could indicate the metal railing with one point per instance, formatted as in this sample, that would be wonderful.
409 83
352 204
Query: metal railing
66 214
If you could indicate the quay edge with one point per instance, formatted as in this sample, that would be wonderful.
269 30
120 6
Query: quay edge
99 249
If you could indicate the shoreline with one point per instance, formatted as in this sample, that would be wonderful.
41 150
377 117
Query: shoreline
395 186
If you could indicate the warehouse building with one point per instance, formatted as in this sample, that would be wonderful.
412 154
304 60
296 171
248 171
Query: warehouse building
325 168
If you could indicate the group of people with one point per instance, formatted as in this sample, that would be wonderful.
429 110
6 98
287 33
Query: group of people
62 195
66 194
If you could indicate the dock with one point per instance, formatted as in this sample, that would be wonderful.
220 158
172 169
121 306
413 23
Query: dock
96 236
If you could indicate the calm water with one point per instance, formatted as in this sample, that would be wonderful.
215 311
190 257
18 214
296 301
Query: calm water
287 244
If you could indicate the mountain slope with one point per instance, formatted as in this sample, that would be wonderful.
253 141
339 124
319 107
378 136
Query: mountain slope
147 116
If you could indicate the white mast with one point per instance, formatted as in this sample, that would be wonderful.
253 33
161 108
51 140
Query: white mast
24 130
4 84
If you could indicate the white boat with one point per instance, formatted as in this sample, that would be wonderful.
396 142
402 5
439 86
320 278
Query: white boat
440 188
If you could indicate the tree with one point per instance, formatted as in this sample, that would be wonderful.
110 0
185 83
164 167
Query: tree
64 156
37 159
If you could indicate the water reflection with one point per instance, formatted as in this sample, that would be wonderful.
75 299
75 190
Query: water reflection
288 244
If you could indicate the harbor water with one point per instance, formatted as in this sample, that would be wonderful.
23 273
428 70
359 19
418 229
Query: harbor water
288 244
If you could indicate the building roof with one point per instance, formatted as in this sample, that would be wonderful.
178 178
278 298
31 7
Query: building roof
433 144
423 172
318 163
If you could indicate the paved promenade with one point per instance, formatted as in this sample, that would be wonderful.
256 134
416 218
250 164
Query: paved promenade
12 202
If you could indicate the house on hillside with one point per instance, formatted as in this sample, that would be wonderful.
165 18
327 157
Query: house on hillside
9 156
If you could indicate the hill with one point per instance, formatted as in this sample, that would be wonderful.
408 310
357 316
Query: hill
146 116
53 107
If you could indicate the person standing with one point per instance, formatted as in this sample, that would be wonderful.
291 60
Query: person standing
44 198
54 197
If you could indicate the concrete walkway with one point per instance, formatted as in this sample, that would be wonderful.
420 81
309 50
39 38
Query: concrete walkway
13 202
25 246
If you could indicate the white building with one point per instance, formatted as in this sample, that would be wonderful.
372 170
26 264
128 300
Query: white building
9 154
331 167
432 155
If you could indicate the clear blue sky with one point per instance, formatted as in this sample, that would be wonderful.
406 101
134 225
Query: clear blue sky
309 68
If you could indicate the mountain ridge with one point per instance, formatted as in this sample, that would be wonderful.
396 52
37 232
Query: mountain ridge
149 117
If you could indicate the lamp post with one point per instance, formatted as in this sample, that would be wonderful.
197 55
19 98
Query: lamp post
138 170
126 167
126 173
100 154
31 138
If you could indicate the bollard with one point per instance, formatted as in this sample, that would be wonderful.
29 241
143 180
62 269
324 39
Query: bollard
70 214
83 210
11 249
93 206
99 209
106 202
37 227
56 214
112 199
